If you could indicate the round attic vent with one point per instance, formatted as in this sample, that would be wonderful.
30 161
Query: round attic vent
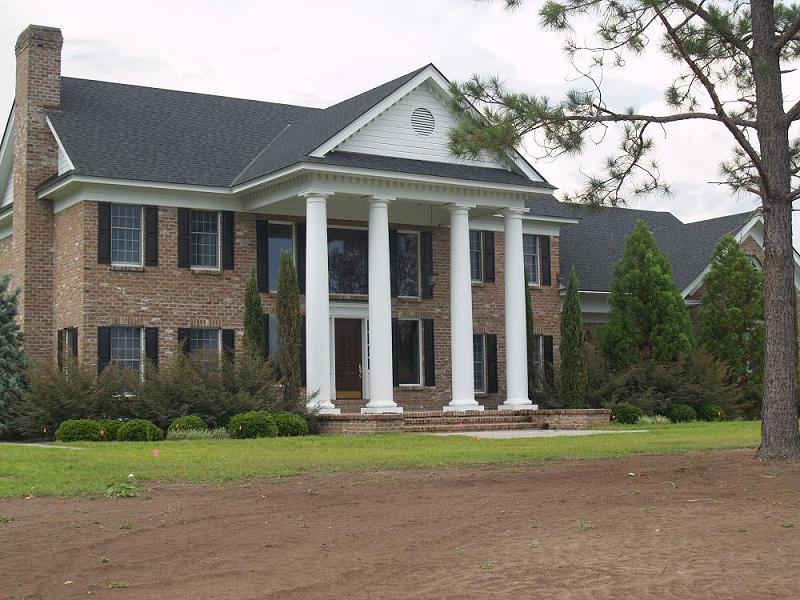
422 122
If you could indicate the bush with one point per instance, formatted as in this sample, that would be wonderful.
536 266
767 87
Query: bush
78 430
187 423
682 413
139 430
710 412
218 433
253 424
290 424
626 413
109 428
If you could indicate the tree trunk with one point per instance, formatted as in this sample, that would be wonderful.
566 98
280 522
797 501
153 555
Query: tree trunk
779 432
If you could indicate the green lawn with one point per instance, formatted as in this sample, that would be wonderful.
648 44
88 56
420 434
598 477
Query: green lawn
49 471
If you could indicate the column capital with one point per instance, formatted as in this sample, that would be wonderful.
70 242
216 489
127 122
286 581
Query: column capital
315 195
380 199
460 207
513 212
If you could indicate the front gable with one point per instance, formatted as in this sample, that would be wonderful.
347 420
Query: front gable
416 127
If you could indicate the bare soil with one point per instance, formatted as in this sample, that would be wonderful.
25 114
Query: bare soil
716 525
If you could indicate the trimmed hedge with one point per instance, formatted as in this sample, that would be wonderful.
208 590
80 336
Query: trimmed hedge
78 430
187 422
139 430
710 412
109 428
290 424
626 413
254 424
682 413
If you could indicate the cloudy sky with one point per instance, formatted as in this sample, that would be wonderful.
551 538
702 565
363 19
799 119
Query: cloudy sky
317 52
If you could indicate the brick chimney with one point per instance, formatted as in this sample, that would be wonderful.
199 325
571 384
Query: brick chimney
38 87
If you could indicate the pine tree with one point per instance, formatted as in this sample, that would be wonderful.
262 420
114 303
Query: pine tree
253 318
12 358
574 376
289 331
732 313
532 379
648 317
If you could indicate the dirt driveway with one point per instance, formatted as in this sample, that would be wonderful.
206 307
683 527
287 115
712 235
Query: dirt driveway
692 526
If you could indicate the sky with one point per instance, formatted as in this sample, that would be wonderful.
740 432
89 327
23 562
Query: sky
318 52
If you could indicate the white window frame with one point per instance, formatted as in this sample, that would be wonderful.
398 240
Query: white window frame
483 362
480 252
141 239
218 266
538 340
142 357
419 263
538 268
419 354
293 225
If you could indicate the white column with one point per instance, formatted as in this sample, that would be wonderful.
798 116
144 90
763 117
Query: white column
516 287
380 311
463 384
318 344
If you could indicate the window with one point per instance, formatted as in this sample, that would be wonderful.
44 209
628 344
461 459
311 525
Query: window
476 255
280 240
347 261
407 257
126 348
408 353
126 234
204 239
538 360
479 362
204 342
530 251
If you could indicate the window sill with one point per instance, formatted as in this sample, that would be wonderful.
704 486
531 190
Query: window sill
129 268
477 283
411 387
408 298
197 271
356 297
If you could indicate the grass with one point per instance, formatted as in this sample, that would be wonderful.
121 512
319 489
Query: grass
103 466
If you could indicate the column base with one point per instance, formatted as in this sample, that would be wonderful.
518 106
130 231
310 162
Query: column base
329 409
518 406
379 410
462 407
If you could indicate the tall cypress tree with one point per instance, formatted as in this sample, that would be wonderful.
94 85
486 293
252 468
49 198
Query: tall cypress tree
574 375
532 382
648 317
289 331
12 358
253 318
732 313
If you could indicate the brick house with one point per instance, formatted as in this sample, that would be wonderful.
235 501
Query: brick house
132 218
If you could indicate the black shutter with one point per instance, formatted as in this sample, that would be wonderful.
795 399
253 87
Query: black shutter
151 236
395 339
228 343
491 363
184 336
301 257
544 251
303 351
548 359
488 255
104 233
262 261
265 325
429 353
60 349
183 237
151 344
426 241
393 261
103 348
228 239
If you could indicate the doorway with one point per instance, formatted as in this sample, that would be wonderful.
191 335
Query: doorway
349 365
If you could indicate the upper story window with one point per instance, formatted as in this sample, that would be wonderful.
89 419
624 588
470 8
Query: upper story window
530 249
280 239
204 239
407 263
476 255
126 234
347 261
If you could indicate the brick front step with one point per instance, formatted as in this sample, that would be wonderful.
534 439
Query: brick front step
448 420
442 428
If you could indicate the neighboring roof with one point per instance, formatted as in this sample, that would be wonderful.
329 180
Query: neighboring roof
149 134
595 245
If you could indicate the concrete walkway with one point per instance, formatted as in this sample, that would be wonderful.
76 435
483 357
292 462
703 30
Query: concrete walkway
539 433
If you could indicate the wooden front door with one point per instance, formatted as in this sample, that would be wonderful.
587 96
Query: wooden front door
348 358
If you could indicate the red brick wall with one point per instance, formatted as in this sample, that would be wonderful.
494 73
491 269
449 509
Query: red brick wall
89 295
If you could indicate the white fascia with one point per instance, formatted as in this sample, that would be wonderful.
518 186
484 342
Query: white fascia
430 73
7 153
61 148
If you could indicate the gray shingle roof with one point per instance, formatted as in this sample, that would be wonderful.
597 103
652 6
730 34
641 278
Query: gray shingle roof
595 245
149 134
